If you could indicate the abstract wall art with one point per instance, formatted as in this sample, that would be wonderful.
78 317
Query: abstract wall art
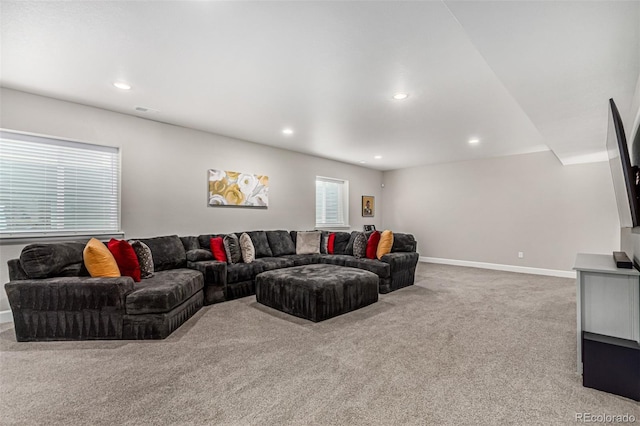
237 189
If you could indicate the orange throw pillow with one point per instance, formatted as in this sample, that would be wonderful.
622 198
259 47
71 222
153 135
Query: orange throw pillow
385 244
99 260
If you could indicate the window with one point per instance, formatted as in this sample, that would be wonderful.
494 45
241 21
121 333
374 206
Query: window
332 202
54 187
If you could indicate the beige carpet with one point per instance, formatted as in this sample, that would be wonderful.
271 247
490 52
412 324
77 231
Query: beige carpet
463 346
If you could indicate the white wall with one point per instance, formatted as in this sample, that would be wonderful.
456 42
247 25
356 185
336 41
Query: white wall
164 172
489 210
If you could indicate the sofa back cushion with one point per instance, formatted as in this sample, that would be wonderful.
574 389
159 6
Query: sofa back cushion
340 243
167 252
403 243
51 260
260 244
190 243
204 241
280 243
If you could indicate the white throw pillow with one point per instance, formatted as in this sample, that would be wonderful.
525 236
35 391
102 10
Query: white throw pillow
247 249
308 242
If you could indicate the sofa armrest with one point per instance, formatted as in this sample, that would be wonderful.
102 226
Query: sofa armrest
215 272
401 261
69 294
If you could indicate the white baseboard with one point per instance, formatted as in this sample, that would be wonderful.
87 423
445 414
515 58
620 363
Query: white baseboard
5 316
499 267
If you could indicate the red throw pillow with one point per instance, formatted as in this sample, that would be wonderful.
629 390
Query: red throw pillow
331 243
372 245
125 258
217 248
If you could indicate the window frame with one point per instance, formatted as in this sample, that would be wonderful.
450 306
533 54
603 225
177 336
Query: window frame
345 203
53 235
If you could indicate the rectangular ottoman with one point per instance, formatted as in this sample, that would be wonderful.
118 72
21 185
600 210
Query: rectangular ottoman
317 292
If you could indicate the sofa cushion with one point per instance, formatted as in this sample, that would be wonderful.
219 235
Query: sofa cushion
198 255
335 259
190 243
385 244
232 248
360 245
168 252
164 291
246 246
403 243
270 263
238 272
145 258
125 258
381 269
99 260
260 243
280 243
308 242
48 260
303 259
340 243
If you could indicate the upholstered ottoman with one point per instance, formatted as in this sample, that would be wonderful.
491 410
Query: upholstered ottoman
317 292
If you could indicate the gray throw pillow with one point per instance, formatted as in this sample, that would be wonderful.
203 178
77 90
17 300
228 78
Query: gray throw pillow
232 248
360 245
308 242
145 259
246 247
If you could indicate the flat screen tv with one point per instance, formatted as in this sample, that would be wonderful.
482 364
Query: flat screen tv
625 176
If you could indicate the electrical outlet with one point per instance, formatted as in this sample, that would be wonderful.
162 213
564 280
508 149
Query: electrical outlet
521 255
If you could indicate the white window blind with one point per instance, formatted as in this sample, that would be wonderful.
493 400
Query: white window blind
56 187
332 202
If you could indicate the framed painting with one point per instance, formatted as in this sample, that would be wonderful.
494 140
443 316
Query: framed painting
227 188
368 205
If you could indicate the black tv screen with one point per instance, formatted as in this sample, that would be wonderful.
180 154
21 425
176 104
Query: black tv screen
623 173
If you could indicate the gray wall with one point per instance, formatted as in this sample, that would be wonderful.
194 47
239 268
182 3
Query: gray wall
164 172
489 210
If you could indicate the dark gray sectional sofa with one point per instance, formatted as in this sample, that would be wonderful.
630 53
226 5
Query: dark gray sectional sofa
53 298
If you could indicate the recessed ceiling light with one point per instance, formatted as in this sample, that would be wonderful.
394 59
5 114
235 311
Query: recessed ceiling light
122 85
287 131
362 162
400 96
377 157
474 141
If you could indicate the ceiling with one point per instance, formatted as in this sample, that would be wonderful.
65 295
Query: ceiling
519 76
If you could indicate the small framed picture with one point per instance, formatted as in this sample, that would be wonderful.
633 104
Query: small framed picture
369 228
368 205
